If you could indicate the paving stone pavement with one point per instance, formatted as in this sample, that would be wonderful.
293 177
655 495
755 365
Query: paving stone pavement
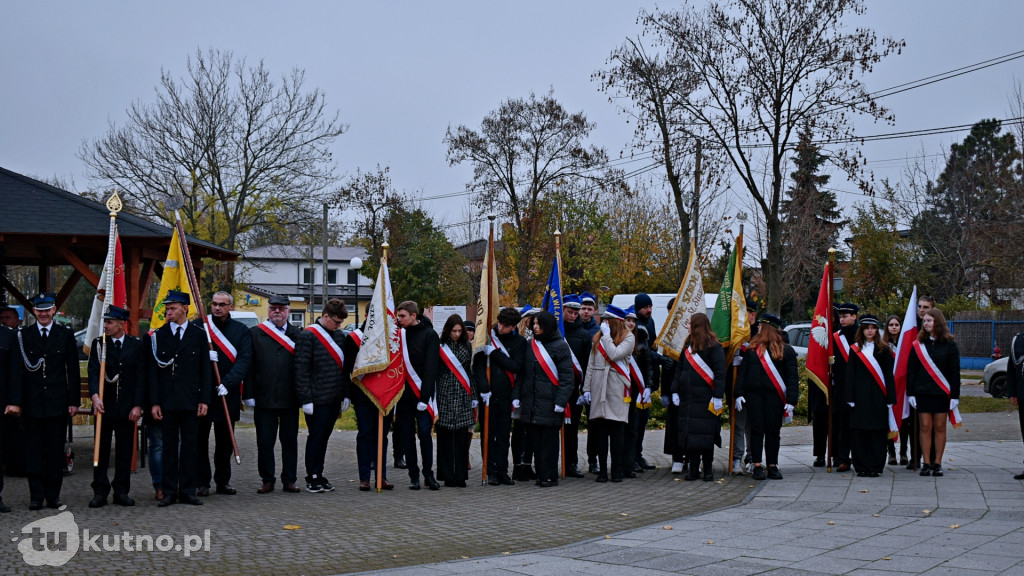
969 522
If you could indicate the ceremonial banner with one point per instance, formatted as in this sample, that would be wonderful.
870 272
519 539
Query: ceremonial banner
729 321
174 277
487 307
553 294
112 278
819 345
378 369
908 335
689 300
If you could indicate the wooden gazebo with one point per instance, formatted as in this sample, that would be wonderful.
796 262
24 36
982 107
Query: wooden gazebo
44 226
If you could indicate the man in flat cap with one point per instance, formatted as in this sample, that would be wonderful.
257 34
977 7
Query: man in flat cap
179 389
46 396
121 405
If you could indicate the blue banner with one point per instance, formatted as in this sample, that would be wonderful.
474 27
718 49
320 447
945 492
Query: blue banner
553 295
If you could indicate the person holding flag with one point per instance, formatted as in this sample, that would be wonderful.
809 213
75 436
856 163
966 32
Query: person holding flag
768 388
841 340
506 352
578 339
417 408
697 392
891 337
870 395
456 399
933 386
606 389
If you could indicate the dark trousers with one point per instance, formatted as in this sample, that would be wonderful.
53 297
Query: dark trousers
155 450
904 437
522 443
3 455
841 434
274 424
572 436
222 452
819 431
452 449
124 430
319 425
179 429
45 465
499 431
697 457
591 449
629 453
545 449
367 420
868 449
643 415
608 434
412 423
671 445
764 421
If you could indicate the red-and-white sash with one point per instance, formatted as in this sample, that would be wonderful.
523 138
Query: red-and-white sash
876 373
939 378
456 367
357 337
638 377
577 370
842 344
621 367
773 373
701 367
220 340
545 361
414 380
332 347
499 346
269 329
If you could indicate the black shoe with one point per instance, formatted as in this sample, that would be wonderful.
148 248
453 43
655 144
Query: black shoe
4 508
431 482
773 473
616 478
819 463
54 504
98 501
692 472
758 473
926 470
314 486
493 481
547 483
903 461
628 474
203 491
872 474
166 501
602 478
573 472
910 465
227 490
505 480
892 459
35 505
644 464
530 473
1019 476
189 499
400 463
862 474
327 486
123 500
414 485
936 469
519 473
638 469
595 469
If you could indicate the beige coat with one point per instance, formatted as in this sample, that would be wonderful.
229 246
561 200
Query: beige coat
606 386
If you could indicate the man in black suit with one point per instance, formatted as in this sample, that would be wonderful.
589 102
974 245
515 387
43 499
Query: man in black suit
10 363
233 354
46 395
121 405
179 389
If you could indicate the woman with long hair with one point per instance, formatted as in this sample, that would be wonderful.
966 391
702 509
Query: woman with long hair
542 395
870 393
456 395
698 388
768 388
891 337
606 389
933 385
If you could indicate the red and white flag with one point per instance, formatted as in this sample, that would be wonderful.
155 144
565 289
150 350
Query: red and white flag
111 289
908 335
819 345
378 368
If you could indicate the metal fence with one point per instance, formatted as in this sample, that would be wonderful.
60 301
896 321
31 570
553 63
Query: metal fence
977 339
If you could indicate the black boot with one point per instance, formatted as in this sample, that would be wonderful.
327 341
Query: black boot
693 473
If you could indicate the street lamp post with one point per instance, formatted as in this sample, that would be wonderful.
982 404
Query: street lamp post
355 264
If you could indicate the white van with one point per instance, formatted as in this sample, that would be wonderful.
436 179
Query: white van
660 310
250 319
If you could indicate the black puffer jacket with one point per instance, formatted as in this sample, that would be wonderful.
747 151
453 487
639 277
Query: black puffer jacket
537 395
318 379
699 429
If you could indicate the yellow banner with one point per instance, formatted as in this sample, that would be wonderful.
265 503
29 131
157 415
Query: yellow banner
486 308
174 277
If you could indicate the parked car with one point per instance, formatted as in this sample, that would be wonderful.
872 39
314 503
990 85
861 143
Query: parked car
994 378
250 319
80 344
799 336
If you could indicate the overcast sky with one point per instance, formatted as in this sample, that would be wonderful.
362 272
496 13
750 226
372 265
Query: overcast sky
401 72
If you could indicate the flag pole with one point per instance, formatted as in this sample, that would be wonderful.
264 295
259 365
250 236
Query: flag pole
568 410
193 282
380 412
735 371
490 315
114 205
830 388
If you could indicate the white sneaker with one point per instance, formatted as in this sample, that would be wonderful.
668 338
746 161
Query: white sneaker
737 467
677 467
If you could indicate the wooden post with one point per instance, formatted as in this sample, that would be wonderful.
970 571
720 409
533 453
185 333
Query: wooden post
828 395
487 326
380 449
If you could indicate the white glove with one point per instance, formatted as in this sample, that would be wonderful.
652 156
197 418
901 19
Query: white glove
954 403
475 404
788 409
250 402
850 404
737 360
559 409
717 403
739 403
515 404
421 406
586 397
214 357
221 389
912 401
665 400
579 400
606 329
647 396
486 397
308 409
488 349
346 404
675 399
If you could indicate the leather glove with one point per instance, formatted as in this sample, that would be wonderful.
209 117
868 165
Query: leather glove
586 397
912 401
221 389
954 403
717 403
214 357
421 406
606 329
675 399
488 349
475 404
665 400
486 397
308 409
559 409
346 404
250 402
788 409
850 404
739 403
647 396
515 404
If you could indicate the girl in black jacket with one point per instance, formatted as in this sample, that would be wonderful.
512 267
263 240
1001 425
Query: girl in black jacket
927 392
700 430
870 393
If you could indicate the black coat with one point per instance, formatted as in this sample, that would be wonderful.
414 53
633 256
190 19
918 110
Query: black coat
185 383
128 365
580 340
754 382
643 355
318 378
1015 366
870 404
424 354
232 373
271 378
946 356
51 389
699 429
537 395
838 371
10 362
500 385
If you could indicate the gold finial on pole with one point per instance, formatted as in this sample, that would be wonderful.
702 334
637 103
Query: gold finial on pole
385 247
114 204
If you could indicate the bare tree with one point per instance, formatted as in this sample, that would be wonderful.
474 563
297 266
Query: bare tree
243 150
372 196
